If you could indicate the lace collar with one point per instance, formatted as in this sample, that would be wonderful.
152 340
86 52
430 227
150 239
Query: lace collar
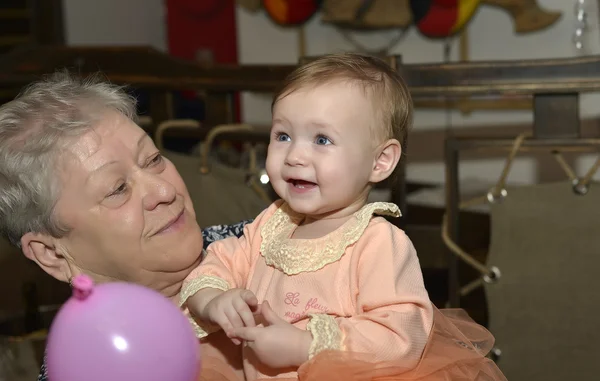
293 256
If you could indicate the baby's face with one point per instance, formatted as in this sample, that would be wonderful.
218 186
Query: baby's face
322 154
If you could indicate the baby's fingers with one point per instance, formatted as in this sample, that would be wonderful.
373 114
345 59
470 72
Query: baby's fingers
247 334
222 321
250 299
244 313
234 318
234 322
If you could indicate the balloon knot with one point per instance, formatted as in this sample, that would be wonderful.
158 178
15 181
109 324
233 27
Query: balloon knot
82 286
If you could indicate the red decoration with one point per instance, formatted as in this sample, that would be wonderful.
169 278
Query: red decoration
440 19
291 12
195 27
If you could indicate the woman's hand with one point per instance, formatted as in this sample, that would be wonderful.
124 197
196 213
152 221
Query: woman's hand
278 344
229 309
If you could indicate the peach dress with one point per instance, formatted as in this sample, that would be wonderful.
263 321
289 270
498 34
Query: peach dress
359 291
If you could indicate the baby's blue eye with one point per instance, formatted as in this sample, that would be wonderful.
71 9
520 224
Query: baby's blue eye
283 137
322 140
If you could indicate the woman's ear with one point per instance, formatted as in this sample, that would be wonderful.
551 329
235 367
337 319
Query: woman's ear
41 248
388 156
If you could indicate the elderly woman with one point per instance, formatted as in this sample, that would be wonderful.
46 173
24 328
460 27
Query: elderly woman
83 189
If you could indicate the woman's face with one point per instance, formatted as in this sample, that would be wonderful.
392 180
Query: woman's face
130 214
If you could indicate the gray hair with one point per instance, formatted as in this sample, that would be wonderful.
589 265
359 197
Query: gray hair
34 128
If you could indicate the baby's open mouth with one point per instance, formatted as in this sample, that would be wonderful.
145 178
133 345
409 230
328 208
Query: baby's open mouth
302 184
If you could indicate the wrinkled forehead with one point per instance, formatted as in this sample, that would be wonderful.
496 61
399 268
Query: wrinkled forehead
107 139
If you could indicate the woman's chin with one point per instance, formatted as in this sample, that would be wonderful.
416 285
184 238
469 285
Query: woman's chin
178 255
188 253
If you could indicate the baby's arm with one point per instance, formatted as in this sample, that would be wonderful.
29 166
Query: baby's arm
214 292
220 299
394 315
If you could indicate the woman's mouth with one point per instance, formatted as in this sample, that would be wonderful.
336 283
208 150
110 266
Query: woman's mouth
174 224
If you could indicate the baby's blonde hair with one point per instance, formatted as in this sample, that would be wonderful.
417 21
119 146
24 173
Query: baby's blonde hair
390 96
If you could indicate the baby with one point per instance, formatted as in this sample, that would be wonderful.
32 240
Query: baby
320 274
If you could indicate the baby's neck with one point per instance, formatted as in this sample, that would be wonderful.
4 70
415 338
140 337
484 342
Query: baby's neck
319 226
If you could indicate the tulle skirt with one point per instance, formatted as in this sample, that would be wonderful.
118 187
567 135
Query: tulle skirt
456 351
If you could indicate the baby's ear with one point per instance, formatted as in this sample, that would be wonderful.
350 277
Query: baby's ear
386 160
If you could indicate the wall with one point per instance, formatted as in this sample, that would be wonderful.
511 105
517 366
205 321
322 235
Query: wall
491 38
115 22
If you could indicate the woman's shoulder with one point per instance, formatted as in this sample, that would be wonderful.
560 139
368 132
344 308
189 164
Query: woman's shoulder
219 232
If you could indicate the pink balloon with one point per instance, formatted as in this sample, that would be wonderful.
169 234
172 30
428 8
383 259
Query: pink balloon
120 332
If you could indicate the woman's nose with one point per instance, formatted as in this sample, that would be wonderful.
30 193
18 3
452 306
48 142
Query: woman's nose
158 191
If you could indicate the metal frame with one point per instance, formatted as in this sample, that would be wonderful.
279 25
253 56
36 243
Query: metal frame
453 148
555 86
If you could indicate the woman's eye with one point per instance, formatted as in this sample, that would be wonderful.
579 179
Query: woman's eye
155 160
322 140
120 190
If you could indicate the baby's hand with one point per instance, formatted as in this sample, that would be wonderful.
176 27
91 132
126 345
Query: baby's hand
231 310
278 344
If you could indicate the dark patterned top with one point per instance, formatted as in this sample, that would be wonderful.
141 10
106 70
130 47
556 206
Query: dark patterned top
210 235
